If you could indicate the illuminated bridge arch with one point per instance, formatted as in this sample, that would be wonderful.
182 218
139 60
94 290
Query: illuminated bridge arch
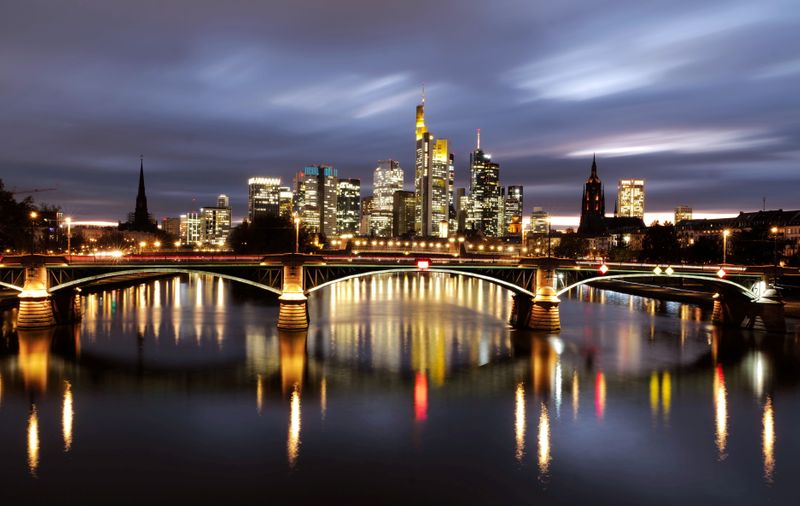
505 284
739 288
160 270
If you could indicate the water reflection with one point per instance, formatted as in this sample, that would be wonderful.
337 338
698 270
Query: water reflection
600 395
67 413
720 412
768 440
33 440
519 421
543 440
293 438
576 395
420 397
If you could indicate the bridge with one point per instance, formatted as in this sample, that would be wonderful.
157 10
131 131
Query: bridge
49 286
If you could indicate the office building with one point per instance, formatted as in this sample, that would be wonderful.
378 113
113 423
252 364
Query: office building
630 198
348 204
263 197
513 211
485 195
682 212
403 213
433 167
316 189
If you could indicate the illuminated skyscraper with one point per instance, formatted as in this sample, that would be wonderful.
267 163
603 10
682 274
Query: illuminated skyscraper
433 167
539 221
485 199
630 198
366 211
348 203
513 211
215 226
682 213
593 205
263 197
388 179
316 193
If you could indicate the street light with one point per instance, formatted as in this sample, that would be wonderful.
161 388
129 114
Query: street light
33 215
774 232
725 234
68 220
296 233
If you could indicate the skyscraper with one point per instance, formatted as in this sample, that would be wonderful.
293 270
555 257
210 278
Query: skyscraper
593 205
348 203
216 222
403 213
513 211
431 178
316 193
630 198
366 211
484 197
540 221
682 212
263 197
388 179
140 220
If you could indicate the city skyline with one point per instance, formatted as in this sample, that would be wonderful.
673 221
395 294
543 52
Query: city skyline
204 104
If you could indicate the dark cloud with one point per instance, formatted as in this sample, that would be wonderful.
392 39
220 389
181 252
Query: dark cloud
698 98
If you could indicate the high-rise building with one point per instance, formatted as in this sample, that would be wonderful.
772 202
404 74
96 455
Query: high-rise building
540 221
462 207
388 179
140 220
431 178
316 191
682 212
192 228
348 203
485 199
216 222
366 211
593 205
403 213
285 201
172 226
263 197
630 198
513 210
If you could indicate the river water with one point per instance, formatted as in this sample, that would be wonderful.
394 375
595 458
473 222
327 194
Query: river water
407 389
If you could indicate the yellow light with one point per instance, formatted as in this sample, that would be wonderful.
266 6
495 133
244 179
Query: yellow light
657 270
768 440
726 232
293 440
142 244
774 230
544 441
669 271
33 440
34 215
519 422
157 244
67 414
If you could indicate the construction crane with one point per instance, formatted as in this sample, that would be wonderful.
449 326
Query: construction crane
14 191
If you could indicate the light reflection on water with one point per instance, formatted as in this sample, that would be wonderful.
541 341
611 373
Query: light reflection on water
393 360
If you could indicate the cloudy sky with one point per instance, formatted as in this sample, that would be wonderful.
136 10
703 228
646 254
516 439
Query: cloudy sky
702 99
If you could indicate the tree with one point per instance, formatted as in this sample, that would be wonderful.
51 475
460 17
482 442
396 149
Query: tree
15 225
268 234
705 250
572 246
660 245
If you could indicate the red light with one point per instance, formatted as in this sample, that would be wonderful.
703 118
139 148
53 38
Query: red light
603 269
423 264
421 397
721 273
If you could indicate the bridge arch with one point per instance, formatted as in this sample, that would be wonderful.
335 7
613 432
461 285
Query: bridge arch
505 284
740 288
13 287
160 270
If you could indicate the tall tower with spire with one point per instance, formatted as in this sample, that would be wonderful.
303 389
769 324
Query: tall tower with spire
432 174
593 205
140 220
484 192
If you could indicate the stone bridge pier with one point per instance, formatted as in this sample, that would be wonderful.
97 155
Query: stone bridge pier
540 312
293 313
38 308
766 313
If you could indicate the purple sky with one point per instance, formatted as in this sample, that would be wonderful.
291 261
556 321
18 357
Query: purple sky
702 99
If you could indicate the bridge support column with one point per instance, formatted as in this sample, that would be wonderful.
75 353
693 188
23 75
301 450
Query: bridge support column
67 306
521 311
35 304
293 314
544 313
767 313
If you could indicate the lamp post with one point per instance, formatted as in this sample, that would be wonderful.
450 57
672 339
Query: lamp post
69 234
296 233
774 232
725 234
549 221
33 216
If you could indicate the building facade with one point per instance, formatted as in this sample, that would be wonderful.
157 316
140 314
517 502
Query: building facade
403 213
484 193
593 205
431 179
630 198
263 197
682 212
316 189
348 203
513 210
